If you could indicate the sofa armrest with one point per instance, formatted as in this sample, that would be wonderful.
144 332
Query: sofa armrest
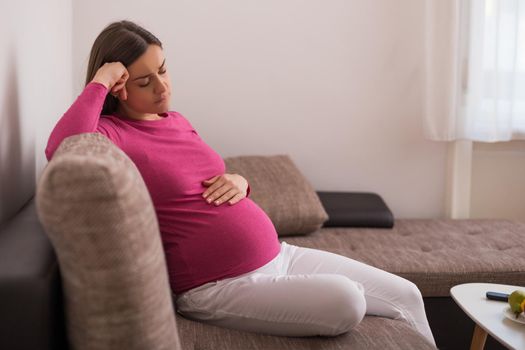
356 209
30 288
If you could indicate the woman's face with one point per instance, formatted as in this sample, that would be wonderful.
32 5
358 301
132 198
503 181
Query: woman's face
148 86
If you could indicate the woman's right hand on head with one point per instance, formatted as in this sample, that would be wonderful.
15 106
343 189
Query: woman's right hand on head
113 75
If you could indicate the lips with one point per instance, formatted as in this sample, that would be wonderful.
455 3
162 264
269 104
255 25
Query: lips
162 99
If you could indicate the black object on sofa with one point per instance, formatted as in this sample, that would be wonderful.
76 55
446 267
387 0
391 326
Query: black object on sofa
355 209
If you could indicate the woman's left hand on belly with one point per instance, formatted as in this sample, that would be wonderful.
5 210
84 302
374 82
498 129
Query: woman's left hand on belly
223 188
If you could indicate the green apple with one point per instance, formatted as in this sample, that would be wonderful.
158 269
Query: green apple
517 302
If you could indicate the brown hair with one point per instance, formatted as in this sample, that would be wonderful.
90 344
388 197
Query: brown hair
122 41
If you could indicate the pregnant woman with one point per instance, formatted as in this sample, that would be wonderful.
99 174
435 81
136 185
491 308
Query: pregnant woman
226 266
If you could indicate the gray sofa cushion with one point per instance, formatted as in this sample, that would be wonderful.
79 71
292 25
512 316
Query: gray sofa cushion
99 216
435 254
280 189
373 333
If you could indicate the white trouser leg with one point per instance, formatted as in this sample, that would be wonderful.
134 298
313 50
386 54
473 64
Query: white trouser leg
305 292
386 294
267 301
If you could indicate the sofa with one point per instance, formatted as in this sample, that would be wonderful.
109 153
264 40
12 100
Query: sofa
41 299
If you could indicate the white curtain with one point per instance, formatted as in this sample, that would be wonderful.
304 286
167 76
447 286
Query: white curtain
475 70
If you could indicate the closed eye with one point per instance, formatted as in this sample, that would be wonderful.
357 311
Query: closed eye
161 72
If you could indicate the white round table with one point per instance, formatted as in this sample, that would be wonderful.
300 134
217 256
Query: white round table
488 314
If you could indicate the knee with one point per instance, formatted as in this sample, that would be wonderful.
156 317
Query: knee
349 305
410 293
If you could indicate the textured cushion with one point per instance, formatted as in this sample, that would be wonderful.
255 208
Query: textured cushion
99 216
356 209
280 189
373 333
435 254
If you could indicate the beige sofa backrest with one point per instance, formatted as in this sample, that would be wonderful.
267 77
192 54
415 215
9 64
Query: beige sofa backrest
99 216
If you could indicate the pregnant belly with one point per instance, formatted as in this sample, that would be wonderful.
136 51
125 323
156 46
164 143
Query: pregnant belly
207 243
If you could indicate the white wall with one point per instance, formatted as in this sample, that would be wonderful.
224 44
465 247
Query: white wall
337 85
498 188
35 86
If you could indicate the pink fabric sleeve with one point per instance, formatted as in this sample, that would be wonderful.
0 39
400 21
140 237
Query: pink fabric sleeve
82 117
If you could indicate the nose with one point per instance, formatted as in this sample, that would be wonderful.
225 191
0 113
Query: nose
160 86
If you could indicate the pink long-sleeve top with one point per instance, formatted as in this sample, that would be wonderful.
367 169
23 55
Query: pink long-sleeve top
202 242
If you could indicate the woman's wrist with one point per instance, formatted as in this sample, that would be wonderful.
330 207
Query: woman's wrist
100 81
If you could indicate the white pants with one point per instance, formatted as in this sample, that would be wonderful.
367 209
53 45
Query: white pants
305 292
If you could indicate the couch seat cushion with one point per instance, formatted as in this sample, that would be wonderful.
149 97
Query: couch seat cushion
435 254
371 333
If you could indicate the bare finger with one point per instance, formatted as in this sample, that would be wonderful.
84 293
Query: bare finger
116 88
122 94
235 199
218 193
213 187
226 196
